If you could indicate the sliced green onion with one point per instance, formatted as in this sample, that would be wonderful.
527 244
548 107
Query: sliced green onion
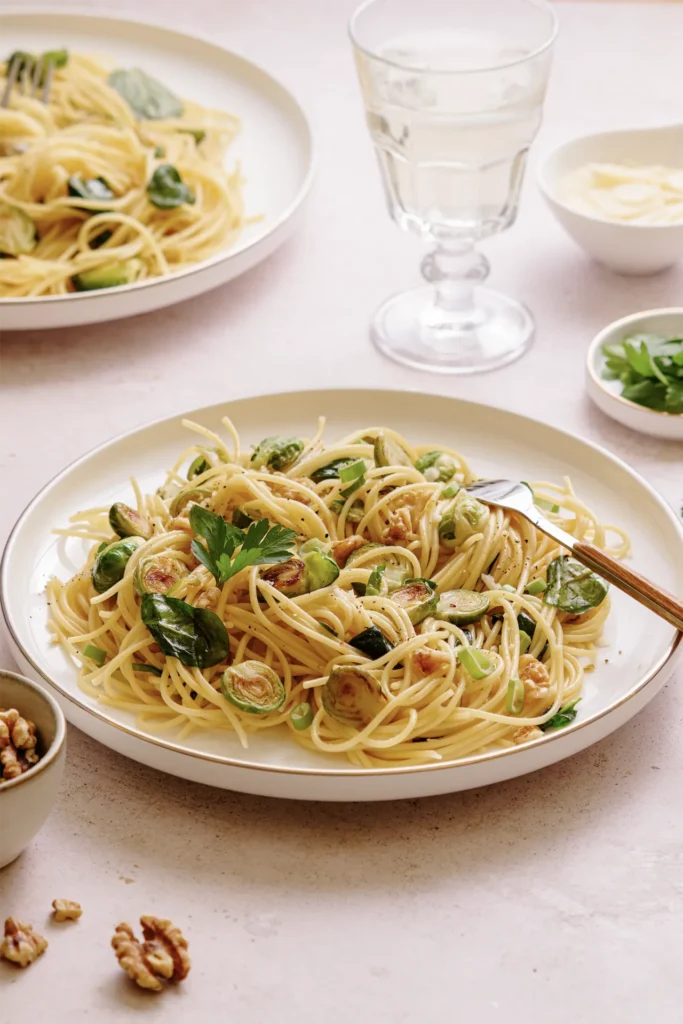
514 699
524 642
138 666
536 587
301 715
352 471
95 654
346 492
475 662
508 589
374 584
450 491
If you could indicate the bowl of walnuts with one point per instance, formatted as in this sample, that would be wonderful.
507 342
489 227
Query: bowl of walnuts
32 752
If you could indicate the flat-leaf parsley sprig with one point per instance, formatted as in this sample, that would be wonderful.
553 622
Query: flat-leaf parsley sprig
261 544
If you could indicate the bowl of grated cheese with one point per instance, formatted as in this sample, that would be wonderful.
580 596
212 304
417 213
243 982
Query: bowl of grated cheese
619 195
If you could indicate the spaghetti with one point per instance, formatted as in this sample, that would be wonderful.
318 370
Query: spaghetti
442 690
79 202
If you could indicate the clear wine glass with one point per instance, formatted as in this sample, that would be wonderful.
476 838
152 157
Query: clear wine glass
453 92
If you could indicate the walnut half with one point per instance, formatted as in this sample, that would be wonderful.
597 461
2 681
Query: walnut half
21 945
17 744
161 957
66 910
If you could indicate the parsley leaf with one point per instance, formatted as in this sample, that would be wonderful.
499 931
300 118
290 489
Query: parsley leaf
262 544
565 716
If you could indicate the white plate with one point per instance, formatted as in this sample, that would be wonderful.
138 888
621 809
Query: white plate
275 151
641 648
607 393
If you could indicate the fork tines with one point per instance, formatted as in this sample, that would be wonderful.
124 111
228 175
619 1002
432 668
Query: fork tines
29 81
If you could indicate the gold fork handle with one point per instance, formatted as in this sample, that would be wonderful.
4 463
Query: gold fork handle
643 590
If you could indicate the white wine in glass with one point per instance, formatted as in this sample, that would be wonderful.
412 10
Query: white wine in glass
453 92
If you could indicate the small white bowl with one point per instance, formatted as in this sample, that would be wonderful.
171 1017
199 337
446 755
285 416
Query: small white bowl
26 801
606 393
625 248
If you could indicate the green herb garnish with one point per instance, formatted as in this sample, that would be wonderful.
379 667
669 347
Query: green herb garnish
261 544
166 189
565 716
650 368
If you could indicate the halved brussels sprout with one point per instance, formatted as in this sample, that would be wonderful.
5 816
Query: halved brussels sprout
198 466
436 466
361 551
128 522
196 493
321 570
276 453
156 574
389 453
289 577
384 579
253 687
17 231
110 564
314 544
461 606
109 275
352 696
464 518
417 598
372 642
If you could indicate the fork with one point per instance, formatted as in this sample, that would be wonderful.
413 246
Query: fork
518 497
29 82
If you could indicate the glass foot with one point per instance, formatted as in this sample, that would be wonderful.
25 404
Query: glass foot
416 331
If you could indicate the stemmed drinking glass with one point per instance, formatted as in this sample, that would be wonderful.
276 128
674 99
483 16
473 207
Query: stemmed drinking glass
453 91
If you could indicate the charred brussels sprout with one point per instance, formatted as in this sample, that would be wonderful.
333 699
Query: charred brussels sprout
276 453
390 453
464 518
436 466
361 551
352 696
127 522
156 574
288 577
461 606
417 598
110 564
197 494
253 687
321 570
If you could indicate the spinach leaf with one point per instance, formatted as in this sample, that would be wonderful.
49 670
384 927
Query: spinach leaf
149 99
372 642
330 471
101 239
196 636
674 397
95 189
572 587
565 716
167 190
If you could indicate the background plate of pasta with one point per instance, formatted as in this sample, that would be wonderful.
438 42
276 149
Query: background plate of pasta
296 595
159 166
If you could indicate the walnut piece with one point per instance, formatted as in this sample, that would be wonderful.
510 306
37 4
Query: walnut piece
21 945
17 744
534 675
66 910
163 956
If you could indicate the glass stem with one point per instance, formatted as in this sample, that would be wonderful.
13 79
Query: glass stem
455 269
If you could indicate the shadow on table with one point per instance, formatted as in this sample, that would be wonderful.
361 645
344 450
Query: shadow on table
316 847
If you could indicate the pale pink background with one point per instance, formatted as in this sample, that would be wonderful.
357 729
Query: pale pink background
553 898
